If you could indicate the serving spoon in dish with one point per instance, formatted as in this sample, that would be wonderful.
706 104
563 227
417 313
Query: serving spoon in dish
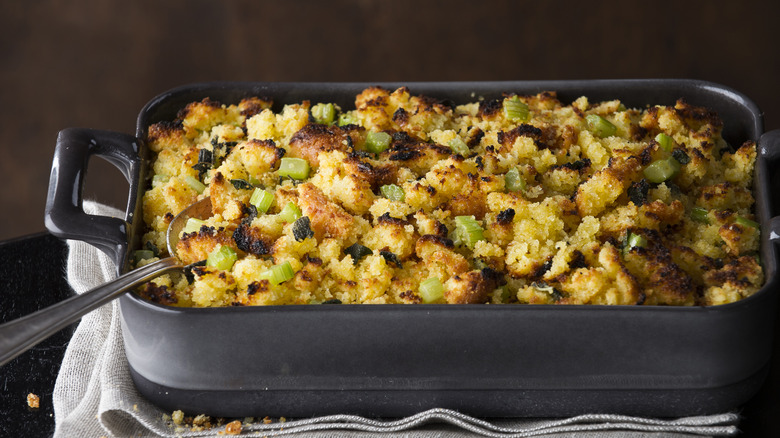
21 334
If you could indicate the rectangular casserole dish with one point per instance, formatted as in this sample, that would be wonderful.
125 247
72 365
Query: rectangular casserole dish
393 360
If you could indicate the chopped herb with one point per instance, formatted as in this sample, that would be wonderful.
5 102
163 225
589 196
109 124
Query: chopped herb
681 156
188 274
357 252
241 184
205 162
391 258
150 246
302 228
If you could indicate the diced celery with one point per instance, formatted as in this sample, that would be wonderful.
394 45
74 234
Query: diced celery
634 240
459 146
193 225
223 257
194 183
295 168
699 214
666 142
513 181
324 113
347 119
662 170
600 126
290 213
377 142
278 274
515 109
262 199
468 230
431 290
393 192
741 220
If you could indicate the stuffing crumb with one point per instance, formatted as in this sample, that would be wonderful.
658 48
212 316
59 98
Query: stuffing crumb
33 401
233 428
177 417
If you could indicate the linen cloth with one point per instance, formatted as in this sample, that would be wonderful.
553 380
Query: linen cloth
94 395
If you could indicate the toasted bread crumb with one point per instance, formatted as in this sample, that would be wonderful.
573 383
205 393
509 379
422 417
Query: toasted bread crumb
33 401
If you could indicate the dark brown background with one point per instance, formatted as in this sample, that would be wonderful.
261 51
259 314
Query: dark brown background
95 63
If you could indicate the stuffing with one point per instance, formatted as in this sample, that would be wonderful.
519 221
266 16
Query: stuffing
517 199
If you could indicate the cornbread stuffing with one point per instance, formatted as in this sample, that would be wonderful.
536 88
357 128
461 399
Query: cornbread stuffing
406 199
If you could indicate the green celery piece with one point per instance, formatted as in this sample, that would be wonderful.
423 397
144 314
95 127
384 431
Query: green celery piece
701 215
262 199
459 146
290 213
377 142
468 230
194 184
662 170
324 113
666 142
431 290
393 192
600 126
513 181
222 258
741 220
515 109
295 168
278 274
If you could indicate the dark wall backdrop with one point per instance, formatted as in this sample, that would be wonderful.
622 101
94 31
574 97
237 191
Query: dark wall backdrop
95 63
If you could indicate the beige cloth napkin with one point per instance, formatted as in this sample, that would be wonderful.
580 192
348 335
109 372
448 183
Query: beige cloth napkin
94 395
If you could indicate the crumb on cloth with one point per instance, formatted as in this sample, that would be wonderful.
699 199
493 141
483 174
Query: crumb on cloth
33 401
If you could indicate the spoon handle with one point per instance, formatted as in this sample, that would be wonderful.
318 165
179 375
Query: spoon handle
21 334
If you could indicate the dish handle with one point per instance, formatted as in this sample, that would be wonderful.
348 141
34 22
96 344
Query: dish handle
64 214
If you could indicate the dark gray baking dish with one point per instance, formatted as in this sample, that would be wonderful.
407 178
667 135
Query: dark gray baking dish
392 360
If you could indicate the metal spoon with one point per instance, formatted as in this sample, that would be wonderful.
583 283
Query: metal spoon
21 334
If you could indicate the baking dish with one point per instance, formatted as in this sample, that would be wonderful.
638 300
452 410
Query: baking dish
392 360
